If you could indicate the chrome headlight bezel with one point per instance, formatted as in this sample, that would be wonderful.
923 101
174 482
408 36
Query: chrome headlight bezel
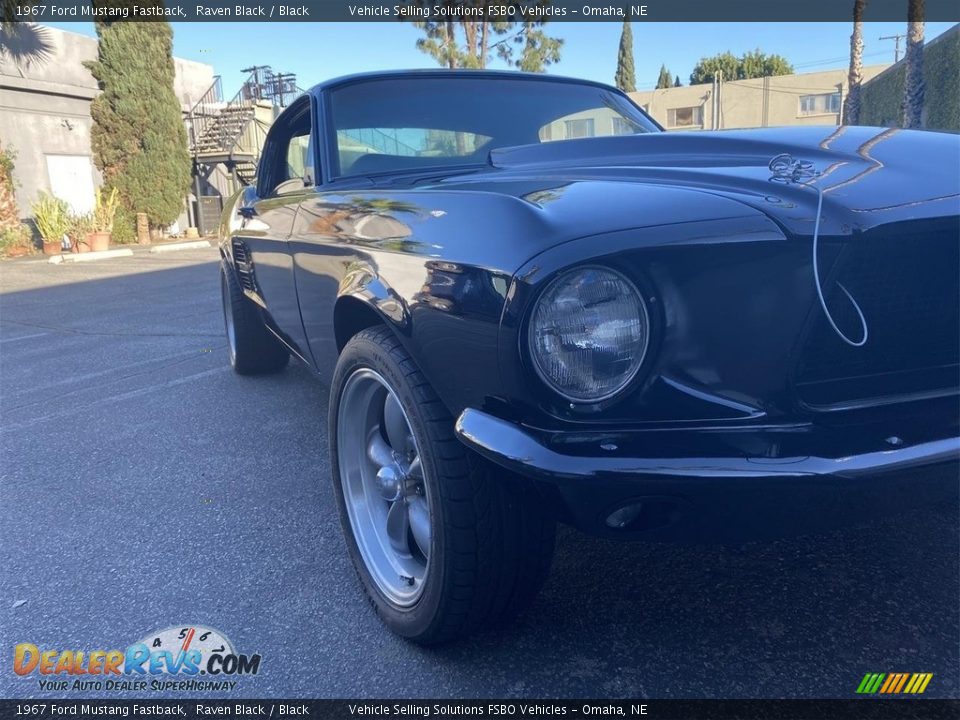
534 356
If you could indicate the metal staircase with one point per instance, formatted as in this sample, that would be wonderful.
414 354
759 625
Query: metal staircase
226 137
226 134
229 135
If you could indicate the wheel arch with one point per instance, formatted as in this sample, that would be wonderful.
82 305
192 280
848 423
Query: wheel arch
352 314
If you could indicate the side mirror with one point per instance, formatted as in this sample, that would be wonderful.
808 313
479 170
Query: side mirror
247 203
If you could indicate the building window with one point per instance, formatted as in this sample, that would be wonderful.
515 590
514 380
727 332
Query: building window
820 104
685 117
622 126
582 128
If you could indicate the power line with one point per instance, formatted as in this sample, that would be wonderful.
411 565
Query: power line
841 58
896 47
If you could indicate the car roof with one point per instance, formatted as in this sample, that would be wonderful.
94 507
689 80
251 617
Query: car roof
462 73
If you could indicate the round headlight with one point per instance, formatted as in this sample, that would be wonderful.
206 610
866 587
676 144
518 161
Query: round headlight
588 333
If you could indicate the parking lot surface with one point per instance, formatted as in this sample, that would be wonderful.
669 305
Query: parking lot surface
144 485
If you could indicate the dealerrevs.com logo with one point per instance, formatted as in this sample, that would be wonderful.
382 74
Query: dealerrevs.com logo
171 659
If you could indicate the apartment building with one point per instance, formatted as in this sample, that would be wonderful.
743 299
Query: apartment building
805 99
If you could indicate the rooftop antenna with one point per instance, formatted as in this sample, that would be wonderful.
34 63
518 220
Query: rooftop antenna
896 47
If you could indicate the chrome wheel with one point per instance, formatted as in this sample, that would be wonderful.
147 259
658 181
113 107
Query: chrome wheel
228 319
383 485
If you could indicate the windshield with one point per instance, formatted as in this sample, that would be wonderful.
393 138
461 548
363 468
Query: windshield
405 124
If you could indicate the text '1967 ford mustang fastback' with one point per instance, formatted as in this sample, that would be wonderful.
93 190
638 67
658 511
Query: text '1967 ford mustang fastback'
531 305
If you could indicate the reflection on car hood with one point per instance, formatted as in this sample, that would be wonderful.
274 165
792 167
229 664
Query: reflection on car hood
870 176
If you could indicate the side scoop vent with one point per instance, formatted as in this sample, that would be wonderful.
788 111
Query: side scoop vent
244 266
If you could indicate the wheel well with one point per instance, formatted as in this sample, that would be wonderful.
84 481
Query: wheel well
350 316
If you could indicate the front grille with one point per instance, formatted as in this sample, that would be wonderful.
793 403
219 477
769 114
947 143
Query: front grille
244 266
907 283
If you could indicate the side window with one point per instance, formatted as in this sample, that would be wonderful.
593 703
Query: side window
298 163
595 122
287 162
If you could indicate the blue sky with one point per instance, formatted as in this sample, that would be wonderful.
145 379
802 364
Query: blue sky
317 51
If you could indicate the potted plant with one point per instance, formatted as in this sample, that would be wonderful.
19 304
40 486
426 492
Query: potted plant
15 241
104 211
79 231
52 216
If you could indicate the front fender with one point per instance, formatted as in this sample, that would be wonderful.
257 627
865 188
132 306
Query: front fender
726 298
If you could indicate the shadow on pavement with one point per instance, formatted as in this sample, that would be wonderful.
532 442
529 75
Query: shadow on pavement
145 485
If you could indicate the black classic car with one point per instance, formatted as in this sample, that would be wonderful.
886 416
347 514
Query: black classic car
532 305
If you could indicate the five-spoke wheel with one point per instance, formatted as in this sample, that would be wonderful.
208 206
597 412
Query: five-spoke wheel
443 543
383 486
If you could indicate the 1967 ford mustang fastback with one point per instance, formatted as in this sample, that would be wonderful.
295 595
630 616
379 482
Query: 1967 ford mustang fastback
531 305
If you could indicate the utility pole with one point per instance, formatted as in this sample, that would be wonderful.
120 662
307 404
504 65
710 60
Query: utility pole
896 47
259 73
284 84
719 99
840 111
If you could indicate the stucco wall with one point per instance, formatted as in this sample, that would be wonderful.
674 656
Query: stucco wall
882 96
45 106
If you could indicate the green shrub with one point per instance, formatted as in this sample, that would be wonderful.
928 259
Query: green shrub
124 226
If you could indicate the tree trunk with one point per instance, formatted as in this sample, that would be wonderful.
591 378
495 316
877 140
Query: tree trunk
484 42
913 82
851 108
470 33
450 42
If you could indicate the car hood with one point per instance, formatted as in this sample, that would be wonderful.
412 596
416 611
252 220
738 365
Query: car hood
869 176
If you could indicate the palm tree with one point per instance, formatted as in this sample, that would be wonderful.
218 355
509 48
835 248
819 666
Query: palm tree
913 82
851 108
22 43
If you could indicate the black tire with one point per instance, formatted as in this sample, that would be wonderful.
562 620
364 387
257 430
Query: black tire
493 536
254 350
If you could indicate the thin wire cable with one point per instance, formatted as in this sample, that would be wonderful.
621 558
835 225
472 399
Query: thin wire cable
789 171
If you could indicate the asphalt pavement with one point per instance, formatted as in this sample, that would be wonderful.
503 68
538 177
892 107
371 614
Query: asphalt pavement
143 485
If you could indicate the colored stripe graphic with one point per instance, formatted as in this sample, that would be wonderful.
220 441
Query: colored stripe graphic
870 683
918 683
903 679
894 683
891 679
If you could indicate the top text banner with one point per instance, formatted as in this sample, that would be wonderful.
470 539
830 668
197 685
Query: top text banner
457 10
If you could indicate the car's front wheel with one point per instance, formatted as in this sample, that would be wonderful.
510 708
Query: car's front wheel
443 546
253 349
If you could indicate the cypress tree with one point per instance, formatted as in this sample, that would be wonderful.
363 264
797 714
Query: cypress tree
625 77
664 80
138 137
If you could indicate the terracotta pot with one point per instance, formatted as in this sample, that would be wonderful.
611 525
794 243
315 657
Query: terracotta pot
99 241
52 247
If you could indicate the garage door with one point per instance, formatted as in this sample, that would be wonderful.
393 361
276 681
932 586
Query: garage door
71 179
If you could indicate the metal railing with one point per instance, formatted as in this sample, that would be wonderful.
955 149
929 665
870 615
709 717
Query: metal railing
204 111
219 126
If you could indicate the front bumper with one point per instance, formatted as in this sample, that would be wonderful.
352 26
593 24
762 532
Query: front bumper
726 483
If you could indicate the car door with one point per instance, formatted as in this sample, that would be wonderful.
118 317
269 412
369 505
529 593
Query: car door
284 177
